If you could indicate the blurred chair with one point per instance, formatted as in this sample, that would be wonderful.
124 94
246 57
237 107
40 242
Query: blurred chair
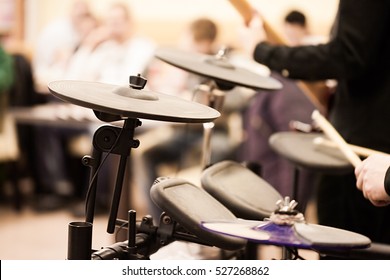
9 153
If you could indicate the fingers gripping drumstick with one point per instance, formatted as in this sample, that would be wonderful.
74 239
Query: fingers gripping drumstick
331 132
247 12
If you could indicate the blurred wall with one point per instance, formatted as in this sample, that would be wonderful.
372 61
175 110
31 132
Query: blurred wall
163 20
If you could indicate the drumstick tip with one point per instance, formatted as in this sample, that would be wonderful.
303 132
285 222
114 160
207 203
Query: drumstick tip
315 114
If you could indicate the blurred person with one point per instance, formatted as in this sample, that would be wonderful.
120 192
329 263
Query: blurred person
57 42
295 28
373 179
110 53
20 93
297 31
199 36
113 51
6 76
59 182
17 86
6 80
272 112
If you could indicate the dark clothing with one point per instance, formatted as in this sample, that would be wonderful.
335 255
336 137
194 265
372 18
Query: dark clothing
342 205
358 57
270 112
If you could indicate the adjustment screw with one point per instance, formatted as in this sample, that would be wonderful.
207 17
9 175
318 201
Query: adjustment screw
137 82
167 220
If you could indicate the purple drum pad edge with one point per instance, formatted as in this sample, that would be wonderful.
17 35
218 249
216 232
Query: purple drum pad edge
328 237
299 235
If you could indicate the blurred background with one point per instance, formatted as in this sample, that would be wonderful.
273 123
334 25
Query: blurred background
162 20
35 207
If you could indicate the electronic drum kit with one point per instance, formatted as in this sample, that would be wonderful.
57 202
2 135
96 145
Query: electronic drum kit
232 208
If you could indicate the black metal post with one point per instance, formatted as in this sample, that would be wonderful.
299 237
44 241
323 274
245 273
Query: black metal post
94 163
79 241
131 234
295 184
123 148
117 194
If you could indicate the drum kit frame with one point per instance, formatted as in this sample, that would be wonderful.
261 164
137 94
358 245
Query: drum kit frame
111 103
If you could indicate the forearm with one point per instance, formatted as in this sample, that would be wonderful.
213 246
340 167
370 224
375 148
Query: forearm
353 49
306 62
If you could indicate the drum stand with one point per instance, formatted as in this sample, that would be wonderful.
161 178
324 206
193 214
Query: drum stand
143 238
111 140
149 238
215 91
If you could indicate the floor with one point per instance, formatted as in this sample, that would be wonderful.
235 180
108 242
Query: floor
28 235
32 235
43 236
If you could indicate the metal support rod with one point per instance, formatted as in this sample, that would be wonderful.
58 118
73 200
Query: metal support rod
123 148
216 99
132 233
295 184
117 194
286 254
206 146
111 140
94 164
79 241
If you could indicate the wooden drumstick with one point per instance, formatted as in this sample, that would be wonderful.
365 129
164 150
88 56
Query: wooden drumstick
361 151
244 9
331 132
247 12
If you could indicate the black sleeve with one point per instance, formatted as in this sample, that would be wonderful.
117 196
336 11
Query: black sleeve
359 32
387 181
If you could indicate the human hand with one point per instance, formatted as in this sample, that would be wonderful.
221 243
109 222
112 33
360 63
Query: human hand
370 178
252 34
